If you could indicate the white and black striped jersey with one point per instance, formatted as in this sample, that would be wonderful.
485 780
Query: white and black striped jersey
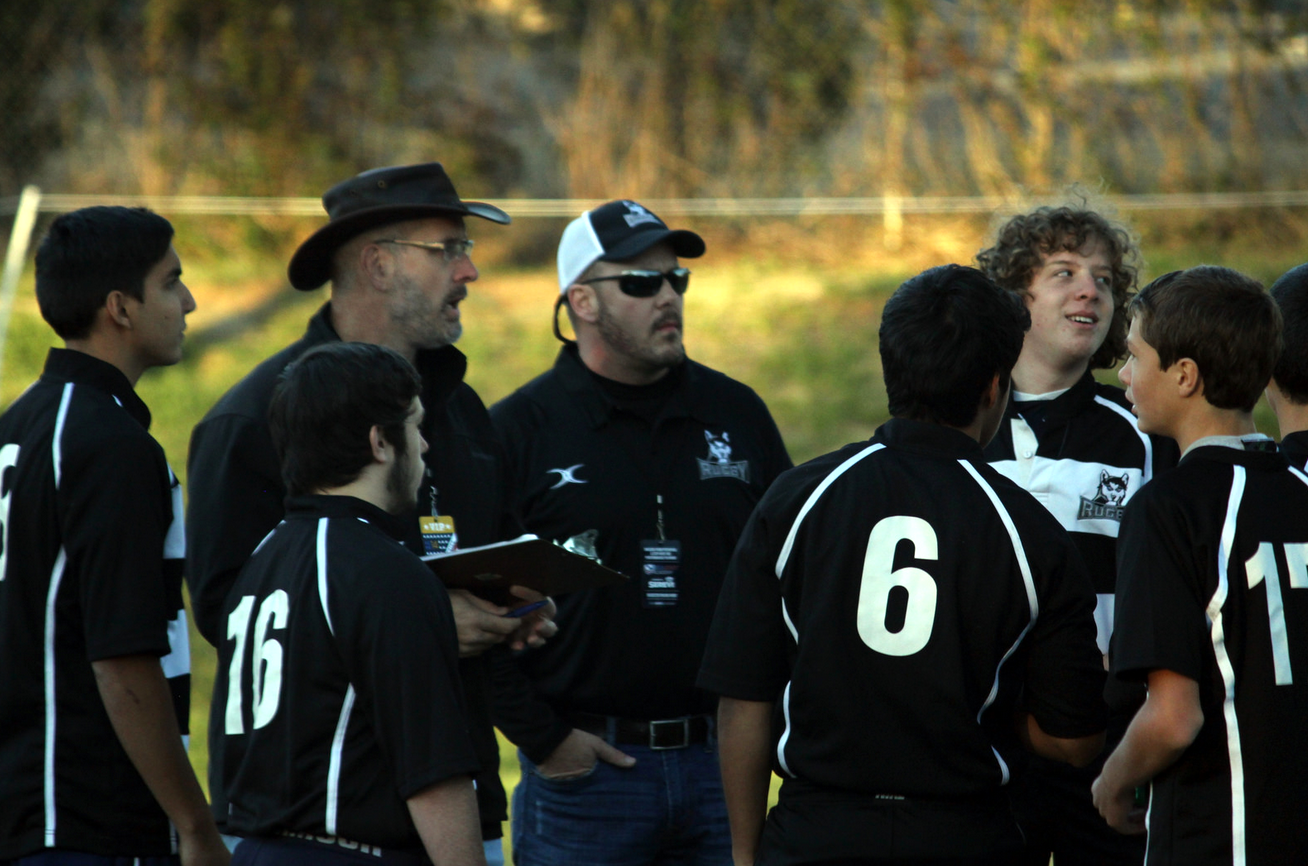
1295 448
893 599
1082 455
1213 584
91 550
338 694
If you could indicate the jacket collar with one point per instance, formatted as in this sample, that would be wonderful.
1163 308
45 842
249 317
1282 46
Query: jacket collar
442 370
687 400
70 365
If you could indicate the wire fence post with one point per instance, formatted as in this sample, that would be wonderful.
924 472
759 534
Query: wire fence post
20 238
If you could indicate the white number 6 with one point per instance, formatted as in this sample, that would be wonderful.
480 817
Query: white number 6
880 576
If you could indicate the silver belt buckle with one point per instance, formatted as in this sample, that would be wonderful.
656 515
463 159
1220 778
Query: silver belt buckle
664 724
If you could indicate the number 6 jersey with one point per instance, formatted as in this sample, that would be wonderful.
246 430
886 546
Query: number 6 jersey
893 599
1213 585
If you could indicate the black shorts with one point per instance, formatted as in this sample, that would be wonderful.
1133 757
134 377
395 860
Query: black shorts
813 825
286 851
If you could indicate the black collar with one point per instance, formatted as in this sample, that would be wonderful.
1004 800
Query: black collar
442 370
687 399
79 367
314 506
926 437
1065 406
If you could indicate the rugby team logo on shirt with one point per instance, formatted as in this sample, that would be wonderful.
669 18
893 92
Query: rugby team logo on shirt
1106 503
719 463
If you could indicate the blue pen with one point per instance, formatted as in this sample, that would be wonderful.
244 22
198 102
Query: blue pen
528 608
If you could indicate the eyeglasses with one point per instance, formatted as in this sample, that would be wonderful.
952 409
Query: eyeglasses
451 250
647 284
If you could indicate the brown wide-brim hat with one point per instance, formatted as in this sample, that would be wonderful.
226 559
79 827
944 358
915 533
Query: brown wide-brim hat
376 198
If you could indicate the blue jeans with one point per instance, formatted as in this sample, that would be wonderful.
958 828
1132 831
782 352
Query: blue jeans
667 810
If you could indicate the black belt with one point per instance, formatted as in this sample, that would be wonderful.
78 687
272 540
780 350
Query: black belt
656 734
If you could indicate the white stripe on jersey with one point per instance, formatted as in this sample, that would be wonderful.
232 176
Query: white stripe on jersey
56 577
785 734
1033 603
334 767
781 565
175 540
56 445
1224 666
814 497
322 579
1135 425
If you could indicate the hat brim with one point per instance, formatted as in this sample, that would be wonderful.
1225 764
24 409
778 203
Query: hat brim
686 244
311 265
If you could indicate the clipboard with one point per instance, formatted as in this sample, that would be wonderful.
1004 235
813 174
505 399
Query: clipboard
489 570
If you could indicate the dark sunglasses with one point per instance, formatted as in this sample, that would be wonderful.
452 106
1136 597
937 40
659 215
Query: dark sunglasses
646 284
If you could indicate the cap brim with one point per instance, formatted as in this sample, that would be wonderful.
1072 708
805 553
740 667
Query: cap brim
686 244
311 265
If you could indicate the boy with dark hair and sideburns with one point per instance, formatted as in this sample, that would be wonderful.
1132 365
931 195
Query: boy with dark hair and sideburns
900 622
338 702
1073 443
1212 568
1287 393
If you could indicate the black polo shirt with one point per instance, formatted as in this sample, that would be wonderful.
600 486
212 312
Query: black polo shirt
236 498
894 599
90 569
338 693
588 461
1212 584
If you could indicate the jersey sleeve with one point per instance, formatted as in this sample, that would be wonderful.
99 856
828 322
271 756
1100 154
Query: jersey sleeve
397 640
236 498
1065 671
775 457
115 504
747 652
1160 621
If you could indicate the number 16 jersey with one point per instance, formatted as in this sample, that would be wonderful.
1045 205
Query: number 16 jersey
894 598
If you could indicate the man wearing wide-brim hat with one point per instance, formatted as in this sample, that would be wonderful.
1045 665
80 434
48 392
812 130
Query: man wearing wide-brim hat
397 253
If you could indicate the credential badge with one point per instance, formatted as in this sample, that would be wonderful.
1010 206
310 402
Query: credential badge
719 463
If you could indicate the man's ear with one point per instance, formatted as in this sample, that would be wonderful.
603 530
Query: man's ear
584 303
382 451
376 266
992 393
115 306
1189 382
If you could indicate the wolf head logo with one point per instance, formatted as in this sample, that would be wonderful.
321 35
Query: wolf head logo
719 447
1112 489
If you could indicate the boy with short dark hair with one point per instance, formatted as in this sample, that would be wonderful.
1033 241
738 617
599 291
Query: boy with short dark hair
94 658
338 703
1210 557
1287 393
899 619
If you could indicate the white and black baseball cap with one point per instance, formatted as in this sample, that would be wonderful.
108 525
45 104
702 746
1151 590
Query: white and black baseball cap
615 232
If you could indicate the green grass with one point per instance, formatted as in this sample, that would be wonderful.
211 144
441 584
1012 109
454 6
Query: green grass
803 335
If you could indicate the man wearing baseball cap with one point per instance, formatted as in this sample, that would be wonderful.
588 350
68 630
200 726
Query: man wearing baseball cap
398 256
629 452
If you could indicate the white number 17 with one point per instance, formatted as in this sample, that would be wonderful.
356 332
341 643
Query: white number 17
1262 565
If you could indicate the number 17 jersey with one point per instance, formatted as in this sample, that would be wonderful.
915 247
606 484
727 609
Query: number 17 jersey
1213 585
893 599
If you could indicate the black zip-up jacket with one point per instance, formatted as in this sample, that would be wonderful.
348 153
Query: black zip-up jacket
237 497
585 467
